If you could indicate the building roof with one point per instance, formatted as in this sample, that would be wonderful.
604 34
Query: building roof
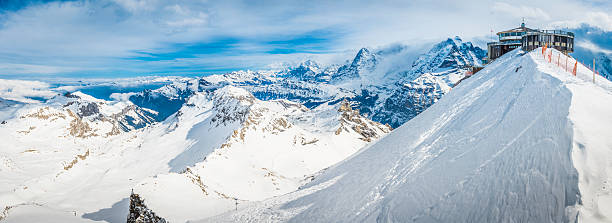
519 29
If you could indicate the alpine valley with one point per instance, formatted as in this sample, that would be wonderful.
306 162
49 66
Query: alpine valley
190 148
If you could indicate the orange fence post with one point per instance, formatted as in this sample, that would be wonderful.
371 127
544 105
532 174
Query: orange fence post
575 66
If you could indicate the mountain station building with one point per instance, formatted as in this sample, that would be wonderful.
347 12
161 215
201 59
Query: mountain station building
529 39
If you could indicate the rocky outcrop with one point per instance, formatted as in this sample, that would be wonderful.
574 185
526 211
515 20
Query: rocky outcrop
88 110
351 119
232 104
69 165
139 213
79 128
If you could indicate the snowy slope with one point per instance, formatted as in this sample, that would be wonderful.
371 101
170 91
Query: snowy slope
76 157
522 141
251 150
589 113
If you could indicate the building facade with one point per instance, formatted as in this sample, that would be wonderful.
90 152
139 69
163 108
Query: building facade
560 40
529 39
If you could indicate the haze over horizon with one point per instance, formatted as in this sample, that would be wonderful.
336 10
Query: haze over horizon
127 38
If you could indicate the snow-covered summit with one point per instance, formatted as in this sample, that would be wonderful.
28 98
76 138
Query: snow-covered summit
450 54
364 61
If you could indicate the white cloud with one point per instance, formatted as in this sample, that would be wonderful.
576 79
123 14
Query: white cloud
520 11
592 47
19 90
15 68
600 20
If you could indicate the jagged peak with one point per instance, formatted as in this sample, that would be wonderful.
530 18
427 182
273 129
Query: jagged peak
457 40
363 51
362 55
450 53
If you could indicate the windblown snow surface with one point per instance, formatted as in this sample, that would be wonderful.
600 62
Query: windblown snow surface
520 141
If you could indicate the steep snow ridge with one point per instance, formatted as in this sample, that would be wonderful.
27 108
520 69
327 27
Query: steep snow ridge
589 114
518 142
271 148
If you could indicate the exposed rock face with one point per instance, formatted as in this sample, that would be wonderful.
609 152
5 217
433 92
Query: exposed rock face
364 61
88 110
407 102
79 128
139 213
131 117
369 130
232 104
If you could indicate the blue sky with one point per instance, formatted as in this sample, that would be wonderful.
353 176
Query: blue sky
123 38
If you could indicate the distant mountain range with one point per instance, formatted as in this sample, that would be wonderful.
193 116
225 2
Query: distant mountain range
194 147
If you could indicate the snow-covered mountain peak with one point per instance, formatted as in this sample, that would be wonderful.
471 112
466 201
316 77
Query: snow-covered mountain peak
457 40
450 54
80 118
364 61
311 64
236 93
308 70
363 56
232 104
